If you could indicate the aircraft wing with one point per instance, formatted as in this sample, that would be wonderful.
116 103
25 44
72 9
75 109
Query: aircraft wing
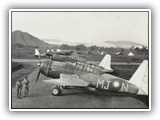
68 80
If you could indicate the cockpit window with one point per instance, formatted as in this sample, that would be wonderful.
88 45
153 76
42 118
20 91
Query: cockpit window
79 66
85 67
88 68
91 69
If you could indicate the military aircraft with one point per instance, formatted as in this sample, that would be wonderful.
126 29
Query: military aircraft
50 53
61 58
63 52
83 75
105 63
92 53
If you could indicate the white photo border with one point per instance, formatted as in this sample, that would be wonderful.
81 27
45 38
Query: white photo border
78 10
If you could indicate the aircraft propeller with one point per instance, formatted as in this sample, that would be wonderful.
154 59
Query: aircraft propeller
38 75
39 64
39 59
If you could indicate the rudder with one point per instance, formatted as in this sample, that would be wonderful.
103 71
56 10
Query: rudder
140 78
106 62
36 53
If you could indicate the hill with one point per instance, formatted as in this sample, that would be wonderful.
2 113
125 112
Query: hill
57 42
124 43
74 43
24 44
23 38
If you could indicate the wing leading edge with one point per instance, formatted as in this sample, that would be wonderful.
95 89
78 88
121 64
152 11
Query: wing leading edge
68 80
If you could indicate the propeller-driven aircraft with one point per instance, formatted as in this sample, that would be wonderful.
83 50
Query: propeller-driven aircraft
83 75
60 58
92 53
64 52
50 53
104 64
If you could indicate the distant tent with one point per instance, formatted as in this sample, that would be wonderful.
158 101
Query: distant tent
98 52
102 53
58 50
119 53
130 54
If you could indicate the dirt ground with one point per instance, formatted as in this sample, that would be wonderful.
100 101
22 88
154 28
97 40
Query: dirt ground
40 95
24 71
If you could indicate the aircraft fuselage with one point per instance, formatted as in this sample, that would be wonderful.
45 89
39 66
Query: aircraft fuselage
93 74
63 58
55 68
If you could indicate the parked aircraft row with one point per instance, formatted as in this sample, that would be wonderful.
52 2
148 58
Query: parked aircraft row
59 57
69 72
51 52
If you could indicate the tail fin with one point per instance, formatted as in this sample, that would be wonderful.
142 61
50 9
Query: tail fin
140 78
36 53
48 50
106 63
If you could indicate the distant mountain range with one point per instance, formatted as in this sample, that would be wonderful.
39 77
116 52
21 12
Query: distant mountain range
123 43
57 42
60 42
24 38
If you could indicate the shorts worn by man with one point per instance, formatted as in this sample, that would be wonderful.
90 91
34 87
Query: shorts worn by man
19 88
26 86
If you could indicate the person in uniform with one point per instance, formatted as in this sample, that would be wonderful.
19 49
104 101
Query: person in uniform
19 88
26 86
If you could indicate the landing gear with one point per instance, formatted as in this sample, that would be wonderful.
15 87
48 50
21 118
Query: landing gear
56 90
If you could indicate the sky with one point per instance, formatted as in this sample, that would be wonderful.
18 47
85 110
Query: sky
84 27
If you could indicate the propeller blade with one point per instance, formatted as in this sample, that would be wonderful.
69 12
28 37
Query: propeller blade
39 59
38 76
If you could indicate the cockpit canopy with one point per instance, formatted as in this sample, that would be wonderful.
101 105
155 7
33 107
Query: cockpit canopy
89 68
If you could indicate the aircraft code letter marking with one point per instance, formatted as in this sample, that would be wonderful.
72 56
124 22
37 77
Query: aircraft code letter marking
108 83
124 88
99 82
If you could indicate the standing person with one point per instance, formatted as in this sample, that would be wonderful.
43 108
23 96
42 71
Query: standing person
26 86
19 88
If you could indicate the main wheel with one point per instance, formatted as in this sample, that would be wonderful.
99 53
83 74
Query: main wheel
56 91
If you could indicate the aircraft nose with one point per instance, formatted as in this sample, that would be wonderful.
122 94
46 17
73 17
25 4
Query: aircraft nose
43 67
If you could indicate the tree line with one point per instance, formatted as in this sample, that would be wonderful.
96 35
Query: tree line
81 47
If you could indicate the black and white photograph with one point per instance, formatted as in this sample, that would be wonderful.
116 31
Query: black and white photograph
79 59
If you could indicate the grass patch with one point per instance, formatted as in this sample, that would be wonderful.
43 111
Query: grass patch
117 58
28 53
22 71
124 71
16 66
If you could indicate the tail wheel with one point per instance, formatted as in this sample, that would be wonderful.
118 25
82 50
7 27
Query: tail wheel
56 91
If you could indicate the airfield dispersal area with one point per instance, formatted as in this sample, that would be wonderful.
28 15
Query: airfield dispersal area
40 95
108 58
